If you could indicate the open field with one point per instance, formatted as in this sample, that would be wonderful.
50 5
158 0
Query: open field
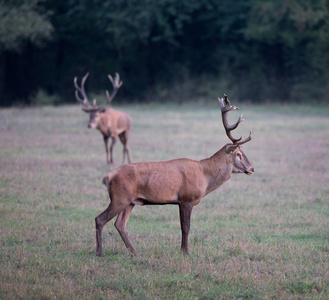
256 237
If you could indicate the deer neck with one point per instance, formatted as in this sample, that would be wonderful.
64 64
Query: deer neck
217 169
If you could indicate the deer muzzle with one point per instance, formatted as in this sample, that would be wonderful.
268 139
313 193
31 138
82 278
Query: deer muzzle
250 171
91 125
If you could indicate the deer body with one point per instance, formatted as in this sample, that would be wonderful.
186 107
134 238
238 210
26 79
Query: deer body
183 182
171 182
111 123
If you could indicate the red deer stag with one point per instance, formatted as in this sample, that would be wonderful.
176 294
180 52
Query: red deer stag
180 181
111 123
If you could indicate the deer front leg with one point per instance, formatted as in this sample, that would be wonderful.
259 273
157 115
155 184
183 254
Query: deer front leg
106 142
114 140
185 211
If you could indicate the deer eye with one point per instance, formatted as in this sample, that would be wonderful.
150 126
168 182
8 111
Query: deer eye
239 155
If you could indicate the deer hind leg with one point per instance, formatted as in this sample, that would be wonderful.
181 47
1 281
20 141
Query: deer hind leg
124 140
100 222
106 142
120 225
114 140
185 211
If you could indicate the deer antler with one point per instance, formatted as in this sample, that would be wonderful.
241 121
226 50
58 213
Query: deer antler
84 100
86 106
116 85
226 106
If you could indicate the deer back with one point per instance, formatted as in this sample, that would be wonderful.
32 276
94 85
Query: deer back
169 182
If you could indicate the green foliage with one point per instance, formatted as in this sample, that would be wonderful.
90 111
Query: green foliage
146 22
22 21
262 50
42 98
297 31
288 22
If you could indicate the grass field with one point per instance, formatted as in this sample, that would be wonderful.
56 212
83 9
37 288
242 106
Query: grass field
256 237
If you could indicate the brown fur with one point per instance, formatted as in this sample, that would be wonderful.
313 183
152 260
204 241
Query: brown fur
112 124
183 182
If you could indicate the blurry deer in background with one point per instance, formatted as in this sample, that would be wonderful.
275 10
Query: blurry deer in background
183 182
111 123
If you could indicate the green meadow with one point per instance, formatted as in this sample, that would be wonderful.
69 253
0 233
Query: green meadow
264 236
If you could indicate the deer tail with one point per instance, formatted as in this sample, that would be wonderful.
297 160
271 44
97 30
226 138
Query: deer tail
106 179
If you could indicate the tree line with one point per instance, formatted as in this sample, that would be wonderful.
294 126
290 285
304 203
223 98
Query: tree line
165 50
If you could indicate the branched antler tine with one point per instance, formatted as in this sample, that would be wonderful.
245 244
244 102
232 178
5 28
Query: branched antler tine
116 85
225 108
226 100
81 90
234 141
235 125
246 140
84 78
116 81
78 98
107 94
77 89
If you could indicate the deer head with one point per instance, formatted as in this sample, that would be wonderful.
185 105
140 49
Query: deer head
241 163
94 110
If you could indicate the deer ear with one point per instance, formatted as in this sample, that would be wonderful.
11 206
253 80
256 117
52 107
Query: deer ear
231 148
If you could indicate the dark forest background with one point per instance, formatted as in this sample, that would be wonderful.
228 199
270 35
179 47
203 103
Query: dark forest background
165 50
